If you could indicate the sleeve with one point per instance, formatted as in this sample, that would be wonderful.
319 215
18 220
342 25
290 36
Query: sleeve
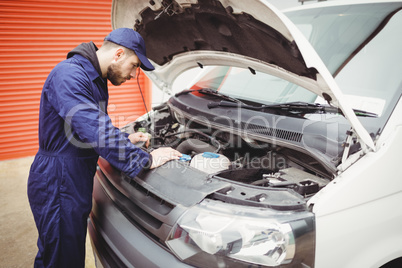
88 126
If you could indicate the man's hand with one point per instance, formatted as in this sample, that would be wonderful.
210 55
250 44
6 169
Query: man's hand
161 155
139 137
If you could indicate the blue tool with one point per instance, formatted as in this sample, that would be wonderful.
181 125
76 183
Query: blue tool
185 157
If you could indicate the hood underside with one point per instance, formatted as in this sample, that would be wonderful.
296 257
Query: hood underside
174 28
184 34
210 26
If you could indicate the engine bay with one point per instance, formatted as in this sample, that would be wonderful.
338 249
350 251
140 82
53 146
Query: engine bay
221 154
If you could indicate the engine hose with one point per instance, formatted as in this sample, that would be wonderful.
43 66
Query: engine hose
213 140
193 145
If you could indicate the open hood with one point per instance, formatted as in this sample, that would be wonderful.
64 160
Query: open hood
183 34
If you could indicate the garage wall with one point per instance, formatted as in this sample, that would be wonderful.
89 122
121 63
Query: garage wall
34 37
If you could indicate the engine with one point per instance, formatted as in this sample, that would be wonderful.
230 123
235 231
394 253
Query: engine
221 153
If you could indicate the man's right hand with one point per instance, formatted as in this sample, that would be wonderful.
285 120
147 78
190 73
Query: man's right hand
161 155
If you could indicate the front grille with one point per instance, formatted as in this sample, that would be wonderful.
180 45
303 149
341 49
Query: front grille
158 204
153 215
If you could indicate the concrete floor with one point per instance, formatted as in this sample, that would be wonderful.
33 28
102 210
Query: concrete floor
18 233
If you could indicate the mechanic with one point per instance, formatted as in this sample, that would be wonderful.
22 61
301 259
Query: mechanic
74 130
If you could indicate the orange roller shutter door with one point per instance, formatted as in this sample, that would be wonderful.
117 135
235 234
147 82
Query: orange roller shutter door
34 37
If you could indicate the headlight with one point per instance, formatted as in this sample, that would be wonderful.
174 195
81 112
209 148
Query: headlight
215 234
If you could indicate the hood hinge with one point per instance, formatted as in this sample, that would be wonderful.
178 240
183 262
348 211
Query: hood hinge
348 160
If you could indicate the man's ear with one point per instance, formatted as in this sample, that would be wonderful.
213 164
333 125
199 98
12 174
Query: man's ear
118 54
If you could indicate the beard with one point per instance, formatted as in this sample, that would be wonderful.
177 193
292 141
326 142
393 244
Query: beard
114 74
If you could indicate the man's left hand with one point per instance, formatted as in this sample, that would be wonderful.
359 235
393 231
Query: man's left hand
139 137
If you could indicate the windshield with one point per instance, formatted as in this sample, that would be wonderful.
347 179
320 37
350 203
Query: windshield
360 45
257 87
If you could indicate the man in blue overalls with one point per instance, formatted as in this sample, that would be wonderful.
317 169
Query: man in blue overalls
74 130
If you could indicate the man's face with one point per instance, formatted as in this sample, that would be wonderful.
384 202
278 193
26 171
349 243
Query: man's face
124 68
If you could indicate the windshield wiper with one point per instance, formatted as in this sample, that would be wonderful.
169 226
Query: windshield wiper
288 106
299 106
211 92
364 113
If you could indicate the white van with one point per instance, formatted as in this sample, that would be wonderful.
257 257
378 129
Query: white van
290 132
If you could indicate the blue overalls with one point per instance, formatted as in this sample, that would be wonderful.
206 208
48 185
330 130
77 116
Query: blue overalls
74 129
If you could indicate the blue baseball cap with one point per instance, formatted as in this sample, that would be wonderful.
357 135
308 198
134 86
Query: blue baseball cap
131 39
